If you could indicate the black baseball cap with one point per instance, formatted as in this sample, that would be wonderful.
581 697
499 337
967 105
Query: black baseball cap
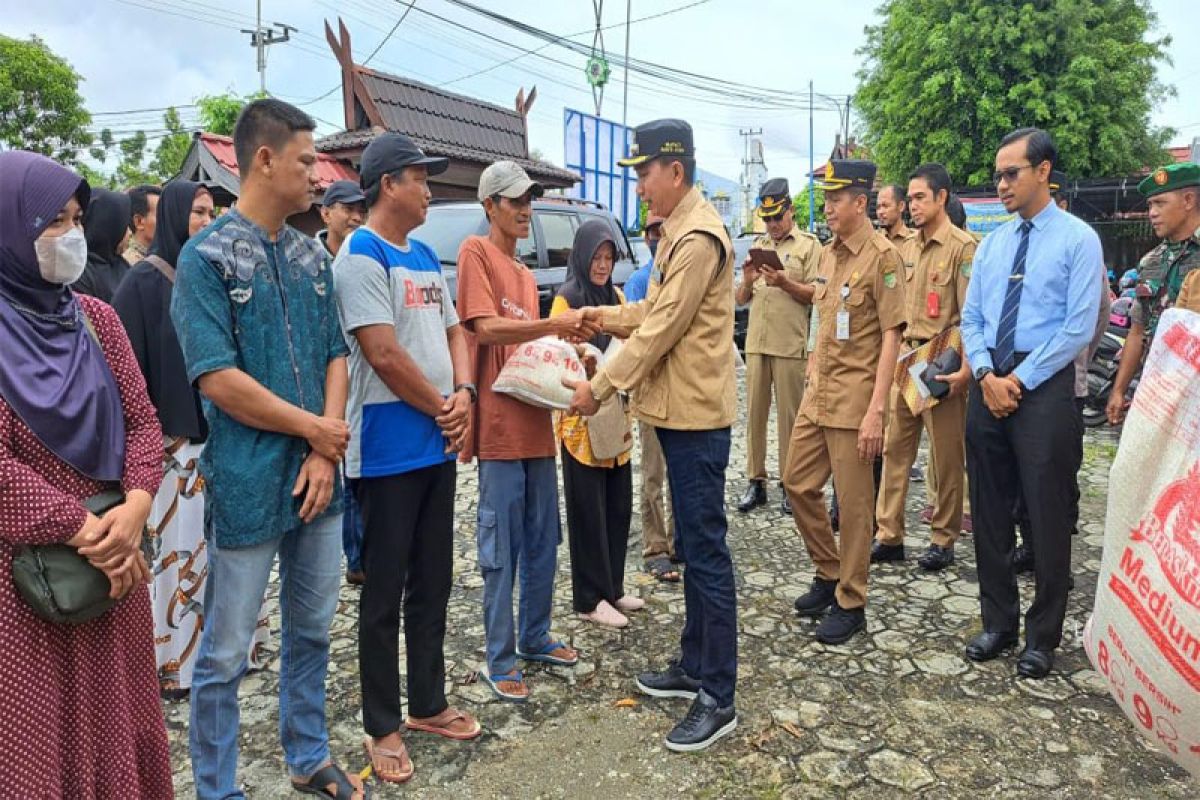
660 138
390 152
347 192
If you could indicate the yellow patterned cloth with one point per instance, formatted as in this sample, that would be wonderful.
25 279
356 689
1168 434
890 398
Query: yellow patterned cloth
572 430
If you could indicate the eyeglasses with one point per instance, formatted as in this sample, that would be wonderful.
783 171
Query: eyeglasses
1009 175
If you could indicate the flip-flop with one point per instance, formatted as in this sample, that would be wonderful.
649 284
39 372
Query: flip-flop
494 681
401 755
544 656
662 569
326 775
444 728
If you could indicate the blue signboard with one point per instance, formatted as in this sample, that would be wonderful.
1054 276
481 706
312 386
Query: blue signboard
985 214
592 146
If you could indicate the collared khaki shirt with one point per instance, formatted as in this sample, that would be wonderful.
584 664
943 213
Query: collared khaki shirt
860 275
778 322
902 235
678 360
1189 295
937 270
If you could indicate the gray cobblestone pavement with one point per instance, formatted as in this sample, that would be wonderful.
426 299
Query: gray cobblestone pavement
896 711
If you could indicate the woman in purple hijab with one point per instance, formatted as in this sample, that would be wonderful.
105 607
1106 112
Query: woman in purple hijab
81 711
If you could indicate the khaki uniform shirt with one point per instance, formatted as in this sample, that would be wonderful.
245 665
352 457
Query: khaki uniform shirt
1189 295
938 266
860 275
679 355
778 322
902 235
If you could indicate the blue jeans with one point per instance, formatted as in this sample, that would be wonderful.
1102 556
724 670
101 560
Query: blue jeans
309 576
696 463
518 529
352 526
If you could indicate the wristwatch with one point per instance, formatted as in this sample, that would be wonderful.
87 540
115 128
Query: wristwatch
982 373
471 390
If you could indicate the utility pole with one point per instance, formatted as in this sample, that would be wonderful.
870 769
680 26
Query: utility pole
812 200
746 189
261 38
625 88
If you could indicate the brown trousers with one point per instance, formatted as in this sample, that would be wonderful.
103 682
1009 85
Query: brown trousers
816 452
946 425
786 375
658 528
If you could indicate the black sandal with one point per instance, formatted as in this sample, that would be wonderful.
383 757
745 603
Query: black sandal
662 569
326 775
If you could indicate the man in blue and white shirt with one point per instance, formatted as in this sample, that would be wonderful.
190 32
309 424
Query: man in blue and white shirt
409 415
1031 308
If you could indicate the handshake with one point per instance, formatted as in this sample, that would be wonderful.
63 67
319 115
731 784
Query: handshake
578 325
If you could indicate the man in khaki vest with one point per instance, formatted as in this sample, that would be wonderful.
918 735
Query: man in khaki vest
776 341
858 315
679 359
937 268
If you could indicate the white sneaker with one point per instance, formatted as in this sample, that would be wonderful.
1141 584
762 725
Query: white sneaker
604 614
628 602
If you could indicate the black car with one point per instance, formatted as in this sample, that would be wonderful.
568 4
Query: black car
551 235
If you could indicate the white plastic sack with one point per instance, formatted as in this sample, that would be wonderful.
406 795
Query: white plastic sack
1144 633
535 371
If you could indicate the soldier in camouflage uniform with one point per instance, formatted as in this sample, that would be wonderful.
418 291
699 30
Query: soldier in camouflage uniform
1173 195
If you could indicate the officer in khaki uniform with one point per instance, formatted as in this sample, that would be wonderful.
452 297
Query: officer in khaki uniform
937 268
890 206
678 361
776 343
854 338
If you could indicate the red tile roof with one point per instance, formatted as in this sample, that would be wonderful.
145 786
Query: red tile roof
1181 153
328 168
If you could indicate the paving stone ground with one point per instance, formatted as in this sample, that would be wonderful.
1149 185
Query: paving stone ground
895 712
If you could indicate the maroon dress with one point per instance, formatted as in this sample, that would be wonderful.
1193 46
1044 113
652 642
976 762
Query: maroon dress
79 707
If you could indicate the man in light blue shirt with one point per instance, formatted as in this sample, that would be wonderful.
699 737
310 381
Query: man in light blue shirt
639 282
1031 308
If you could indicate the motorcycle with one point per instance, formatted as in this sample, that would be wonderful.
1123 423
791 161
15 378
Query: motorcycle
1102 374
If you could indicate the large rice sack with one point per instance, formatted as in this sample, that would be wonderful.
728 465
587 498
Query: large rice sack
535 371
1144 633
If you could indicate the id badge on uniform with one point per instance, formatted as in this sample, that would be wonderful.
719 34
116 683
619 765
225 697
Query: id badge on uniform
843 317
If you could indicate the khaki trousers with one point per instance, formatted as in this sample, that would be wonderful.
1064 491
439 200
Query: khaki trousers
658 528
931 486
813 454
946 425
786 375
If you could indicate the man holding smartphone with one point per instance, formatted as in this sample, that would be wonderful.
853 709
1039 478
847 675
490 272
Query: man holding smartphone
780 297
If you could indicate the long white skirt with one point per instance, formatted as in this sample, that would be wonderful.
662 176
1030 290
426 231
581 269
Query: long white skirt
180 567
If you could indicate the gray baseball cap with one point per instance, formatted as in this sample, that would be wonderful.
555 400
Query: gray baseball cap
507 179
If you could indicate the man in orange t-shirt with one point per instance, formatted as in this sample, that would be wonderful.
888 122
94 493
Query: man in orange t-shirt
518 520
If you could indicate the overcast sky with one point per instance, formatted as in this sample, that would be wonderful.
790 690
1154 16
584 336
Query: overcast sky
146 54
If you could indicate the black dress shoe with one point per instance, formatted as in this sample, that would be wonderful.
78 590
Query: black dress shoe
704 724
1035 664
989 644
754 496
818 598
671 682
1023 559
840 624
785 506
886 552
936 558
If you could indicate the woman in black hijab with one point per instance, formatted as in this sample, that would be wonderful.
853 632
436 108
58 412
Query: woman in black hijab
106 226
599 491
143 301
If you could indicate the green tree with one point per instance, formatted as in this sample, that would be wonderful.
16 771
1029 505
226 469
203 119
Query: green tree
944 80
40 105
800 207
172 148
219 112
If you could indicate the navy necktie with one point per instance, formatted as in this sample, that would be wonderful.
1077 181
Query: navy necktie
1006 331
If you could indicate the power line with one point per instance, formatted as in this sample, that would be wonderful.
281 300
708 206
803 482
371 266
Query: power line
374 52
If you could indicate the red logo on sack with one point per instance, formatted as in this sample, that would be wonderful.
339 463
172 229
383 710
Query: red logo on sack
1177 509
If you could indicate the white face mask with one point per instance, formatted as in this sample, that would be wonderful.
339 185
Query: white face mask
62 259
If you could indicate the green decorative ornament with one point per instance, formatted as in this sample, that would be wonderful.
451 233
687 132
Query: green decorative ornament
597 71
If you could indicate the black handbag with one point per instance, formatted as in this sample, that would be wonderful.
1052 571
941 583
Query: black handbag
59 584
